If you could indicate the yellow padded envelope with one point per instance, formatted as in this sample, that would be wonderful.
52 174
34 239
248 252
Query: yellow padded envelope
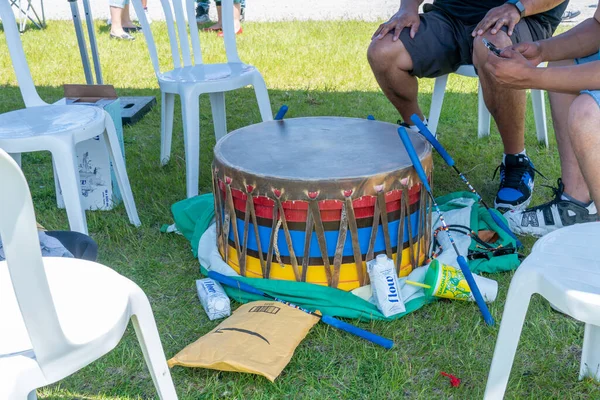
259 338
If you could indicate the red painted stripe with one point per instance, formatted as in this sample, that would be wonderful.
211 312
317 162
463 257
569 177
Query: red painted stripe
331 210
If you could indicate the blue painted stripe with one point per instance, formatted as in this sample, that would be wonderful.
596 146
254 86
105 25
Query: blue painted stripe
331 237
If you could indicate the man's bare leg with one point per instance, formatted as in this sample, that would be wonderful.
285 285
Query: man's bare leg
390 63
572 177
583 123
507 106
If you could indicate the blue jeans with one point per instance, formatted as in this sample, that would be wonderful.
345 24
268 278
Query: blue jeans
206 3
594 57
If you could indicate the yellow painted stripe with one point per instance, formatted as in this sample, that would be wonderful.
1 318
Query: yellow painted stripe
316 273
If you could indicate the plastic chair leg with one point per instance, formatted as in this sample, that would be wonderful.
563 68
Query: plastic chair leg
262 98
484 117
437 99
149 339
118 163
539 115
590 353
219 116
166 126
65 162
16 157
190 107
513 317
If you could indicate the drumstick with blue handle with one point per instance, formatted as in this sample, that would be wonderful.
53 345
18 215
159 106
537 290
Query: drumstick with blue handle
450 161
336 323
462 262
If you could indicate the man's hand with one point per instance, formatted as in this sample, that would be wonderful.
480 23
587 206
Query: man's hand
402 19
504 15
532 51
511 69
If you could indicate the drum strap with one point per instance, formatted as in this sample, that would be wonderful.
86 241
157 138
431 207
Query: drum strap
313 206
250 209
217 196
405 201
307 239
236 237
339 248
355 244
288 239
374 229
271 243
384 224
400 247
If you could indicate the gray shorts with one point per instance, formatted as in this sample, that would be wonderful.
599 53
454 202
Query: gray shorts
594 93
444 43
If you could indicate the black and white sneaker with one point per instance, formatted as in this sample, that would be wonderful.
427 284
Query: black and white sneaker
548 217
516 183
412 128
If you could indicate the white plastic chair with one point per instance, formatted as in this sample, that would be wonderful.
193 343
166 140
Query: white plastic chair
57 128
564 268
60 314
484 117
194 78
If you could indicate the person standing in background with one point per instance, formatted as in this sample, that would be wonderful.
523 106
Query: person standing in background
120 20
202 14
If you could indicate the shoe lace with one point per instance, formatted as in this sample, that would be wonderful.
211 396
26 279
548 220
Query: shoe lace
556 191
513 179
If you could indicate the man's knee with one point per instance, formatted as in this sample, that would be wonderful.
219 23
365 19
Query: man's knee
480 52
383 54
584 115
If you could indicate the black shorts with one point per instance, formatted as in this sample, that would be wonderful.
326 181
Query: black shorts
444 43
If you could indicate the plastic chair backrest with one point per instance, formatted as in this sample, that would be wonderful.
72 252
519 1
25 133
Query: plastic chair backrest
17 55
177 28
18 230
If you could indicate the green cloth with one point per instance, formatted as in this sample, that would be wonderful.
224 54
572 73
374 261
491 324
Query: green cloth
330 301
482 220
193 217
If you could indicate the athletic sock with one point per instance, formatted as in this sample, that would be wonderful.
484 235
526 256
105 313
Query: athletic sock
566 197
414 127
523 153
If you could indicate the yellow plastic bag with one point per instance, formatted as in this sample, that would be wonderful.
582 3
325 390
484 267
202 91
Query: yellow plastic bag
259 338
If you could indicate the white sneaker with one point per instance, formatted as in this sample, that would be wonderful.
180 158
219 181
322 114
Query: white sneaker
548 217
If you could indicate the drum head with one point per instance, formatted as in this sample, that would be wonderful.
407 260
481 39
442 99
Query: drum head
317 149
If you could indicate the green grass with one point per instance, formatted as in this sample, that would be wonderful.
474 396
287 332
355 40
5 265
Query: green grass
317 68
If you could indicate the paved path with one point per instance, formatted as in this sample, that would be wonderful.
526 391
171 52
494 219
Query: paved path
278 10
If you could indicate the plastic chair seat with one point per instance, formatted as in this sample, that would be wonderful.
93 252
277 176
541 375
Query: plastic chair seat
48 121
206 73
90 310
564 268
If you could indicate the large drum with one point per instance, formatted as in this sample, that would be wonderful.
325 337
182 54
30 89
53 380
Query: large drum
313 199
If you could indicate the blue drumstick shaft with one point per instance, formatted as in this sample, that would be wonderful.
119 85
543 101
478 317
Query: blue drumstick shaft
424 130
336 323
464 266
281 113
